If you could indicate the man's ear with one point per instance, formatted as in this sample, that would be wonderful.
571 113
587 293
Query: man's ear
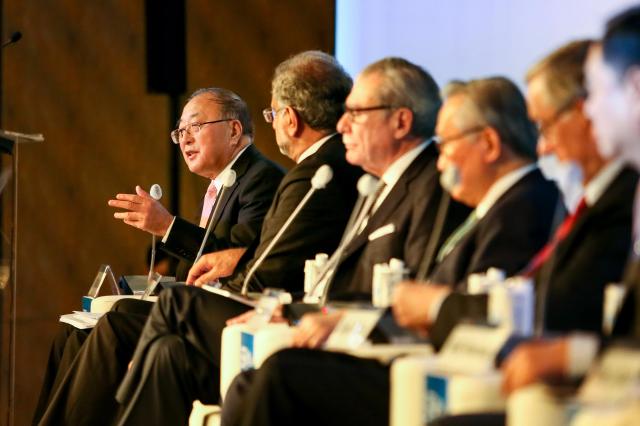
236 131
403 122
491 139
292 122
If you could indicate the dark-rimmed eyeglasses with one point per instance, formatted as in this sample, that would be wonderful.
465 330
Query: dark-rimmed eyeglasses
177 135
354 113
441 142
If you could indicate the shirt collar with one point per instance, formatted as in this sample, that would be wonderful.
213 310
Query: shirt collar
395 171
601 181
218 180
398 167
501 186
313 148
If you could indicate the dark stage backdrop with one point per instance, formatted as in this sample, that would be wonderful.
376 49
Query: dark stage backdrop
79 77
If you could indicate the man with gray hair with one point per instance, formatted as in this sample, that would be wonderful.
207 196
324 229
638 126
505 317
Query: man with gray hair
307 100
215 134
487 154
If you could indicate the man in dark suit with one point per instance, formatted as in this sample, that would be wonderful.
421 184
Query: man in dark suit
403 222
208 150
493 145
613 105
304 123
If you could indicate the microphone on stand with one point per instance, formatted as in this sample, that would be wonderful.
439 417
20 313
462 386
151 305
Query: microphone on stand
367 187
319 181
227 182
156 194
14 38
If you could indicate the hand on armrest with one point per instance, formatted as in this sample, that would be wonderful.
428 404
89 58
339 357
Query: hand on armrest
535 361
314 329
414 302
244 318
213 266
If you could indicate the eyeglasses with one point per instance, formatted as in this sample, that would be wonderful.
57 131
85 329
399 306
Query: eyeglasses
543 128
177 135
441 142
270 113
354 113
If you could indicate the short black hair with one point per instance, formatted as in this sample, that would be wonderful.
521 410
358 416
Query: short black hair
621 41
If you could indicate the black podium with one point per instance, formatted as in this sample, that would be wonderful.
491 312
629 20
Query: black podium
9 147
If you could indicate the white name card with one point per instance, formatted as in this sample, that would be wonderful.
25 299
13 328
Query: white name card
472 349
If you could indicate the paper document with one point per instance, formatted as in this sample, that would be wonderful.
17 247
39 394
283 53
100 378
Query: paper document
81 320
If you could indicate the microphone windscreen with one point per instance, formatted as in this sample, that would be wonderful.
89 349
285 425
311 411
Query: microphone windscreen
450 178
229 178
366 185
155 191
322 177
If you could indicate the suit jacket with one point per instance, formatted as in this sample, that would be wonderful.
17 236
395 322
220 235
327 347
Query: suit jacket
407 214
627 323
570 284
317 228
513 230
591 256
239 219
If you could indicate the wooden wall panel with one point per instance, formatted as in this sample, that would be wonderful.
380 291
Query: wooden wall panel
78 76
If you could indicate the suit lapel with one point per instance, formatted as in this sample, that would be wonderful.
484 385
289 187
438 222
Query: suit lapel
240 167
618 189
397 195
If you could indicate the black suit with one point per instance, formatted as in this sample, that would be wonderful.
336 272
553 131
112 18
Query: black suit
242 210
316 229
530 203
411 208
237 224
192 330
507 237
627 322
572 281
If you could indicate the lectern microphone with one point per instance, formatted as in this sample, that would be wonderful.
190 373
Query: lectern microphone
14 38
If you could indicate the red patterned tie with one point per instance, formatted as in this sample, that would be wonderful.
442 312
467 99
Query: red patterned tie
207 205
561 233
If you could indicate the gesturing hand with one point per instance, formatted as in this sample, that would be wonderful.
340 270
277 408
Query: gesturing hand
143 212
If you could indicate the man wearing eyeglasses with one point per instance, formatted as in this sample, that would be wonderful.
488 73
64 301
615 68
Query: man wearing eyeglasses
485 136
612 78
310 89
215 134
487 154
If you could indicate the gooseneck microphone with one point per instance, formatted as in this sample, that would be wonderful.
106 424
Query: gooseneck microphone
227 182
319 181
156 193
14 38
367 187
